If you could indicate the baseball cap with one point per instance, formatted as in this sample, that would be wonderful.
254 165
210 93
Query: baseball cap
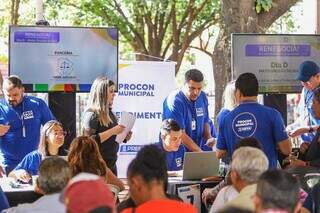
306 70
86 192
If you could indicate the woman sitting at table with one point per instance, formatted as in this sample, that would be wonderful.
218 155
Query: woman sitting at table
51 139
84 156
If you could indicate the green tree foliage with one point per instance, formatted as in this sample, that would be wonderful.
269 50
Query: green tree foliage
160 28
163 28
263 5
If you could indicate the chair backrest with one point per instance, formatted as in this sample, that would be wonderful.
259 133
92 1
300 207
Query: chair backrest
308 176
310 180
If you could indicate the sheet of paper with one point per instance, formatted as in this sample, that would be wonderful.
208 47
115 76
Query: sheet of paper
126 120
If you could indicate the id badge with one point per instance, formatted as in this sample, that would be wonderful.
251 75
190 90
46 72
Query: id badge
193 125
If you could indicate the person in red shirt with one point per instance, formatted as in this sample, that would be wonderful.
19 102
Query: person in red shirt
147 179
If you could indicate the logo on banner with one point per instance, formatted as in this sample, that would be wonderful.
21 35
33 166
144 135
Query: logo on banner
244 125
130 148
143 115
136 89
64 69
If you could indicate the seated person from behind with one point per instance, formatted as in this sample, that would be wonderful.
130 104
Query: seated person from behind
170 142
247 165
88 193
54 174
225 191
277 191
84 156
309 153
51 139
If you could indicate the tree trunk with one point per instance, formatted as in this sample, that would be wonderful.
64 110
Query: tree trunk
221 67
15 11
239 16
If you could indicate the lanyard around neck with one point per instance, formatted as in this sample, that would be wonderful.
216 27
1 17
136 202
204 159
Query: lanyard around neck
21 118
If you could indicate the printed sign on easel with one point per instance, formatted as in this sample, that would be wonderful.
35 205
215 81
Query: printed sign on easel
191 194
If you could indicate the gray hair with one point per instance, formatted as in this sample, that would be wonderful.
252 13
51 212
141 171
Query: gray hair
229 96
249 163
54 174
13 81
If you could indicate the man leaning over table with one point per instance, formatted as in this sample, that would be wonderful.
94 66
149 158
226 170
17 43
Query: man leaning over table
188 106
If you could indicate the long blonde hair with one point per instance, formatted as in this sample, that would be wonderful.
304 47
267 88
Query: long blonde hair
98 99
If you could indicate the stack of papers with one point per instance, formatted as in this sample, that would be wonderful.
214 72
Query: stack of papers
126 120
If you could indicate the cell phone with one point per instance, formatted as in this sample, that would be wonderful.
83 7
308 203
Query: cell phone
15 185
22 182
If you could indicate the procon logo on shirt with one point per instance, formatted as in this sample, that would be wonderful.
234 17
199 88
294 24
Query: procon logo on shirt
27 115
244 125
179 162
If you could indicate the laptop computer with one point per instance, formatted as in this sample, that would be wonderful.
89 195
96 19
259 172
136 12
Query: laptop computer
198 165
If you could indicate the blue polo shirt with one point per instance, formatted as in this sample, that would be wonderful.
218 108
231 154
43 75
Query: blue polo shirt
190 115
223 112
31 113
251 119
174 159
30 163
308 98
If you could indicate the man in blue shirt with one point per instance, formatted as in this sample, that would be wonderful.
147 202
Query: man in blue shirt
170 142
20 120
189 107
309 76
251 119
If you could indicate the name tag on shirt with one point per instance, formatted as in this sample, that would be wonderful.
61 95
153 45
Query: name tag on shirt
193 124
199 111
27 115
179 162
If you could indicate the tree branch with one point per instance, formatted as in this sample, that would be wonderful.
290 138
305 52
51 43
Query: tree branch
185 15
130 25
203 27
202 50
197 11
279 7
166 48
